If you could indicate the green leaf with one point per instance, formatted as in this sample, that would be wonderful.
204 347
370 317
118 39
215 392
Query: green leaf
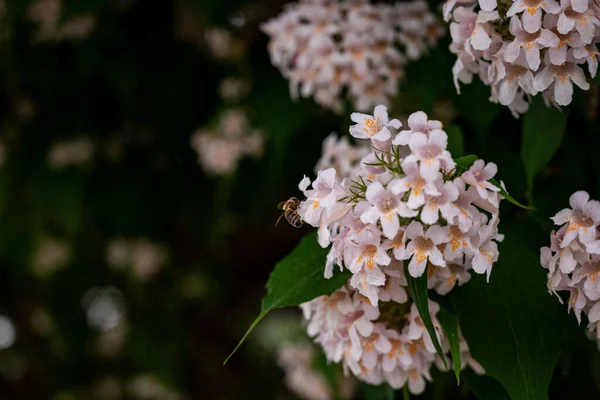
484 387
543 130
456 145
512 324
417 288
296 279
381 392
449 322
507 196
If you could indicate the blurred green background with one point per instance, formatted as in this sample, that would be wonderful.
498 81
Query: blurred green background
125 269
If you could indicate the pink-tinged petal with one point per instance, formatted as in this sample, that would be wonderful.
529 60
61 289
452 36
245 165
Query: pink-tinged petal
543 79
568 238
563 216
437 258
532 23
438 138
480 40
323 236
360 118
487 5
374 192
364 327
383 135
416 268
414 230
533 57
507 92
489 171
328 176
558 56
417 121
398 186
515 8
592 209
578 78
579 199
430 213
593 247
417 140
512 51
358 133
430 169
587 235
370 216
567 262
565 24
563 92
406 212
380 113
416 384
552 7
389 364
395 123
437 234
304 183
515 26
383 345
390 224
548 38
402 138
594 314
328 200
579 5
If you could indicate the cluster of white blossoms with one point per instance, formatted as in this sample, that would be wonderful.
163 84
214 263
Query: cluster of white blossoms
405 201
573 258
524 47
74 152
328 48
220 149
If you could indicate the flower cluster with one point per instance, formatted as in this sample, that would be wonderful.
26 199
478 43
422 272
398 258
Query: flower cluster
220 149
405 201
388 343
75 152
573 258
329 47
524 47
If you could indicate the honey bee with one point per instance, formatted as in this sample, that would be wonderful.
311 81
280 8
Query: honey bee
290 211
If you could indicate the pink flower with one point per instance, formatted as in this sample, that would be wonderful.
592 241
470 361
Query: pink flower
417 122
562 76
479 175
532 12
441 203
415 185
582 219
385 207
423 247
430 151
472 29
531 43
374 127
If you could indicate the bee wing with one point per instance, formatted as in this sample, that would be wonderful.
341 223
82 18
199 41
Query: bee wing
281 204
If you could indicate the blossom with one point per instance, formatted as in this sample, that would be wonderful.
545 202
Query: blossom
403 204
582 218
566 34
335 50
430 151
423 247
386 208
375 127
572 261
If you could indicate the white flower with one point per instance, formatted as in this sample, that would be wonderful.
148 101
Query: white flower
321 197
479 175
423 247
386 208
413 183
582 219
532 12
430 151
375 127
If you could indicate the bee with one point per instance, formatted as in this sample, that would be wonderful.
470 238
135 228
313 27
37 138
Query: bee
290 211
